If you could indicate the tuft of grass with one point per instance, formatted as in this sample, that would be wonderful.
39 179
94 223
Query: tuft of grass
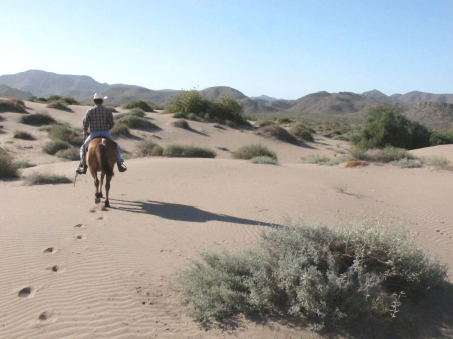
37 119
254 150
54 146
23 135
59 105
23 164
120 129
181 123
264 123
65 133
277 132
39 178
380 155
135 122
365 271
316 159
8 169
12 105
184 151
264 160
148 148
71 153
438 162
407 163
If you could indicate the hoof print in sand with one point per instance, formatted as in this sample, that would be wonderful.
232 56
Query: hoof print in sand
56 269
79 225
26 292
81 237
49 250
47 317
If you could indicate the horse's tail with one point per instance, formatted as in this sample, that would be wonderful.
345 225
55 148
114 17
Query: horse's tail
101 152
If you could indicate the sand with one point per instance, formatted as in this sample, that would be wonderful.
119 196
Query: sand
72 269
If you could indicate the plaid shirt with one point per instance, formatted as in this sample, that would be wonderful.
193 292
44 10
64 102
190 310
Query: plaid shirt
98 119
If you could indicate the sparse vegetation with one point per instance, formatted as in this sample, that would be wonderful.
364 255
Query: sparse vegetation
7 167
65 133
225 108
284 121
254 150
59 105
54 146
37 119
136 112
12 105
277 132
148 148
23 135
264 123
380 155
316 159
120 129
184 151
141 105
264 160
364 272
72 153
135 122
301 132
181 123
438 162
407 163
23 164
39 178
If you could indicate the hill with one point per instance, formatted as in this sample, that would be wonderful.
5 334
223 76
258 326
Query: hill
6 91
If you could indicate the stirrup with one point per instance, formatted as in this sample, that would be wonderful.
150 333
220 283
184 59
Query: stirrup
82 169
121 167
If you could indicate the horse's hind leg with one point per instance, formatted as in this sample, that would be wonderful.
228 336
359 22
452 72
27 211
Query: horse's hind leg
102 184
107 189
97 195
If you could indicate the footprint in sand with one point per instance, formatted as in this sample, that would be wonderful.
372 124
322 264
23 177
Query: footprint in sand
49 250
47 317
56 269
79 226
81 237
26 292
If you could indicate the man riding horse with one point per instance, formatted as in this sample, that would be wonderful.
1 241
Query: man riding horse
100 121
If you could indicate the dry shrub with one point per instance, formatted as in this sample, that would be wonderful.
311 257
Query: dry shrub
39 178
264 123
59 105
356 163
254 150
12 105
7 167
277 132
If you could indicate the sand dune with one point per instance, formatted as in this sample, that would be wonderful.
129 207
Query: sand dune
73 269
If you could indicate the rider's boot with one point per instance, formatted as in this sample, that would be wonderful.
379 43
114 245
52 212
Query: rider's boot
82 169
121 166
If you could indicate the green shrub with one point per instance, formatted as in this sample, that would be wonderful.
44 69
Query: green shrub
181 123
386 126
12 105
23 164
264 160
361 272
148 148
380 155
54 146
277 132
254 150
133 113
23 135
59 105
284 121
441 138
72 153
39 178
37 119
188 152
65 133
54 98
140 104
70 101
120 129
135 122
7 166
301 132
407 163
188 102
437 161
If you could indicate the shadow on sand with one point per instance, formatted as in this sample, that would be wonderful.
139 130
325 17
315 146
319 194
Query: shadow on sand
181 212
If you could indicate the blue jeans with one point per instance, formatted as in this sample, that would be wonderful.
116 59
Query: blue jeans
104 134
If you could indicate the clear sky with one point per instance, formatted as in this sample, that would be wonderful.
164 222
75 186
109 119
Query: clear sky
282 48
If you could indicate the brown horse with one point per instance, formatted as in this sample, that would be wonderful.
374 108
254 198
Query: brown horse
101 157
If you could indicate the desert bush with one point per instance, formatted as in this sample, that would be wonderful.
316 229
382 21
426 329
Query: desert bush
407 163
23 135
39 178
148 148
441 138
23 164
38 99
59 105
264 160
65 133
120 129
254 150
135 122
184 151
72 153
54 146
136 112
37 119
437 161
386 126
7 166
54 98
277 132
70 101
140 104
316 159
12 105
380 155
301 132
284 121
181 123
264 123
364 271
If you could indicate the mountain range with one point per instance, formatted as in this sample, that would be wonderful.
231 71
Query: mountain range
435 110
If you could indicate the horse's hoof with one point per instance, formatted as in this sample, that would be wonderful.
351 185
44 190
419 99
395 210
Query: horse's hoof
97 200
107 204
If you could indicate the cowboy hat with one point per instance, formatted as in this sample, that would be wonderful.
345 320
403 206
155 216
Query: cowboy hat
99 96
